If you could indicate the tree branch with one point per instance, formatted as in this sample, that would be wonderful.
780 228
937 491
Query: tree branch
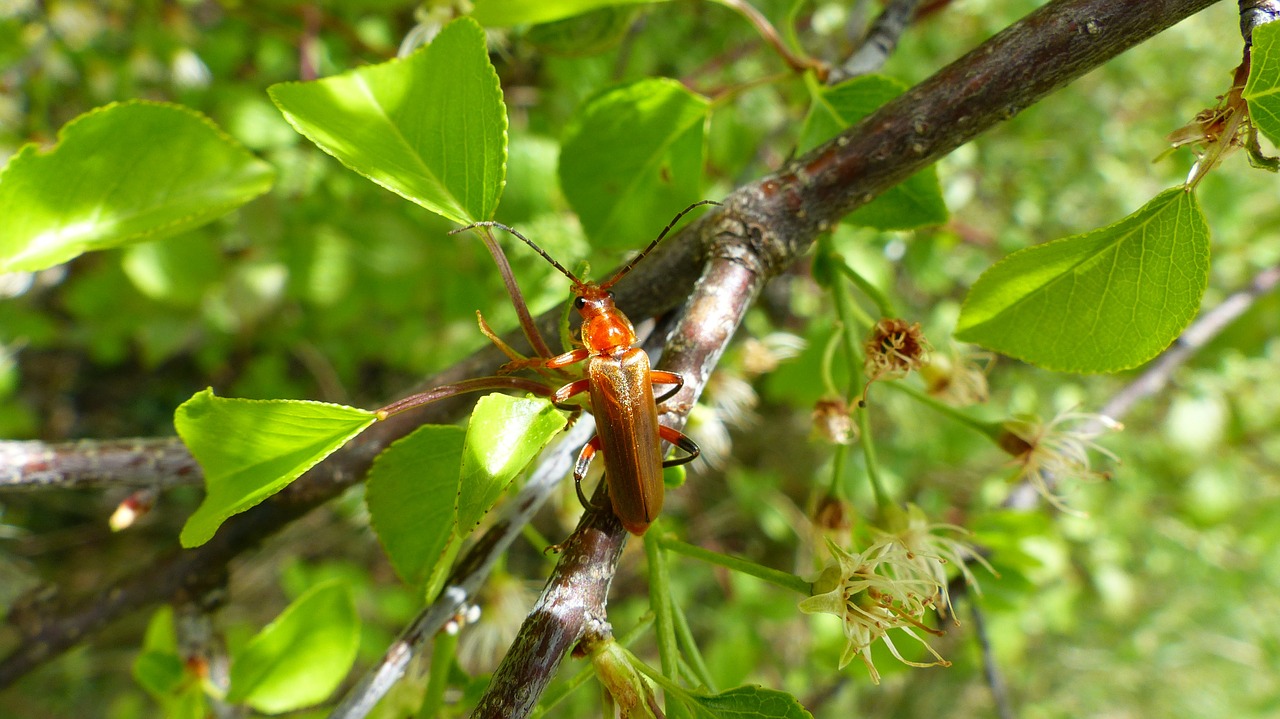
764 227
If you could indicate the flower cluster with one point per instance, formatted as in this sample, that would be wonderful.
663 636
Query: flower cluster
891 585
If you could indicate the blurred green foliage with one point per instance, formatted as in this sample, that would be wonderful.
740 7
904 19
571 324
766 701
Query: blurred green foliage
1155 604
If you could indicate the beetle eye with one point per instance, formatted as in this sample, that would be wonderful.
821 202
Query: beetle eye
610 295
579 302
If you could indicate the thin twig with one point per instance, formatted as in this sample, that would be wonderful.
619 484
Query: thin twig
157 462
879 42
990 670
770 35
1254 13
1208 326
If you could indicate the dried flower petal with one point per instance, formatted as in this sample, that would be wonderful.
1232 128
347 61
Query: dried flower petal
1050 453
894 348
833 422
959 377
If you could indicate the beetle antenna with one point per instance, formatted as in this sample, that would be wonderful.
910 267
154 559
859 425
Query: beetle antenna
636 260
490 223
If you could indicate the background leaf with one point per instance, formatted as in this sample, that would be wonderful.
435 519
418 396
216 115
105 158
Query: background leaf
412 494
504 434
158 668
916 201
632 158
431 127
1262 90
749 702
251 449
121 173
1103 301
532 12
302 656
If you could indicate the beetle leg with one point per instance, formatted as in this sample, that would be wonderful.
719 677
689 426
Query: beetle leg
568 391
567 358
580 470
664 377
679 439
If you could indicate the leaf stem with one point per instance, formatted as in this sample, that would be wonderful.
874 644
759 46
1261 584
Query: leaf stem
696 664
853 356
881 300
993 430
798 63
660 600
527 324
478 384
786 580
443 650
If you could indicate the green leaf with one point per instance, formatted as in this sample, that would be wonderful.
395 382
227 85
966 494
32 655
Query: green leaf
915 202
632 158
431 127
121 173
584 35
158 668
499 13
161 671
302 656
1262 90
1103 301
504 435
251 449
412 494
748 702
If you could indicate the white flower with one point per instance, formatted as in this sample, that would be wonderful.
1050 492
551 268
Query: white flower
865 592
929 548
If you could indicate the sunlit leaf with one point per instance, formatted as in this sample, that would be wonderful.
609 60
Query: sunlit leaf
412 493
531 12
251 449
632 158
121 173
1262 90
431 127
504 435
302 656
916 201
1103 301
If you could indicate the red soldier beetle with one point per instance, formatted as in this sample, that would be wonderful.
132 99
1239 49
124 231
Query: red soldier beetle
619 382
